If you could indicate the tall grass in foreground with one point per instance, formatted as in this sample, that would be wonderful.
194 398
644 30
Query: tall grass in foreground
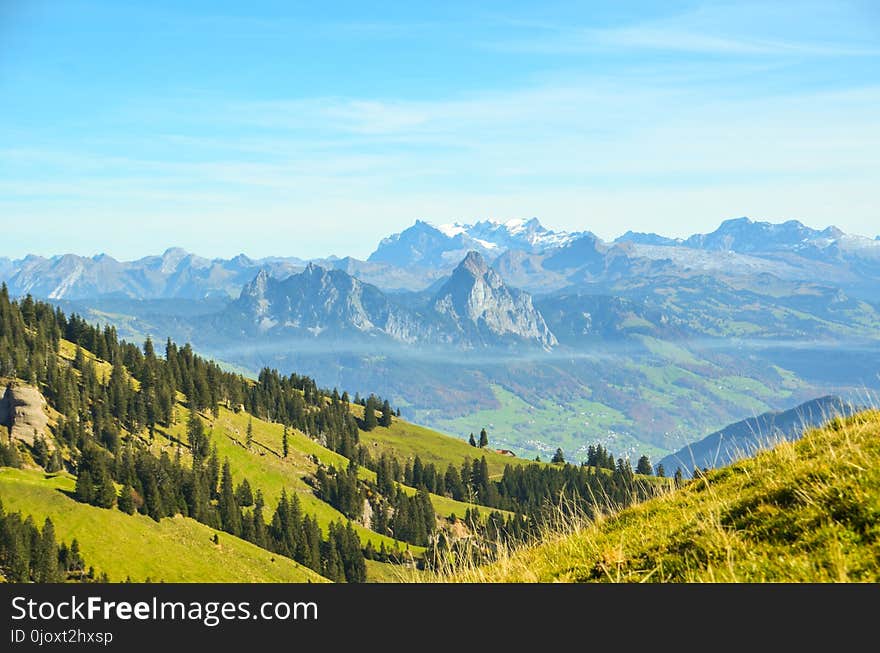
803 511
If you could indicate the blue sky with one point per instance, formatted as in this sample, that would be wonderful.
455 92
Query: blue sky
283 128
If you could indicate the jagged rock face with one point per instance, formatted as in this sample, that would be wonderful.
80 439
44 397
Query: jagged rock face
475 299
318 301
474 307
21 410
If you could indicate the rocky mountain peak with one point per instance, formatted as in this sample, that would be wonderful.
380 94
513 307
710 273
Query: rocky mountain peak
474 264
477 302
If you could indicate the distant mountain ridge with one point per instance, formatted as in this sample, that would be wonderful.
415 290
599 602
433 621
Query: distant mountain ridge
481 306
526 253
474 307
744 438
175 273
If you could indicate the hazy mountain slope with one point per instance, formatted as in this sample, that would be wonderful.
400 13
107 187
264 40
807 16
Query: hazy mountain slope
743 438
174 274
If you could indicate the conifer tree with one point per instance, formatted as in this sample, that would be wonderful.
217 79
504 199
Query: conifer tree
195 431
259 528
230 514
284 442
125 503
484 438
471 440
45 560
385 420
370 420
244 495
84 490
105 492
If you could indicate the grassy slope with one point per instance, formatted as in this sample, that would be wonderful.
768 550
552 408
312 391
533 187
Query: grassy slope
405 440
807 511
172 550
384 572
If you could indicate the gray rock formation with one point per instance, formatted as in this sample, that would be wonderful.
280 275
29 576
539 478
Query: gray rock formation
22 411
476 302
472 308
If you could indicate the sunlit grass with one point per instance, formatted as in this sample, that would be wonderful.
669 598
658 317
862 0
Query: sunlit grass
803 511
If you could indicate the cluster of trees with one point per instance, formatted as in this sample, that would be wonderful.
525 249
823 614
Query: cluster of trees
484 439
599 456
296 535
409 518
341 489
28 554
405 517
9 456
530 489
29 337
469 482
372 405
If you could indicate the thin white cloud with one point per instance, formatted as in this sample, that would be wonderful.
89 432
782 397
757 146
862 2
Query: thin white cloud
736 29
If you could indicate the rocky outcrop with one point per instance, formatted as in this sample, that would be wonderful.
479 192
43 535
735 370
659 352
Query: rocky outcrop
476 301
322 302
22 411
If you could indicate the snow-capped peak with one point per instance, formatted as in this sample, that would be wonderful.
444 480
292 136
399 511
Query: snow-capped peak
514 233
452 230
426 244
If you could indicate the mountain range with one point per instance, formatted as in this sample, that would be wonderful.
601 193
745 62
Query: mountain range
527 254
549 338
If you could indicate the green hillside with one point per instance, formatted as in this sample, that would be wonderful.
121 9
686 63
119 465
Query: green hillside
807 511
175 549
265 469
405 440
